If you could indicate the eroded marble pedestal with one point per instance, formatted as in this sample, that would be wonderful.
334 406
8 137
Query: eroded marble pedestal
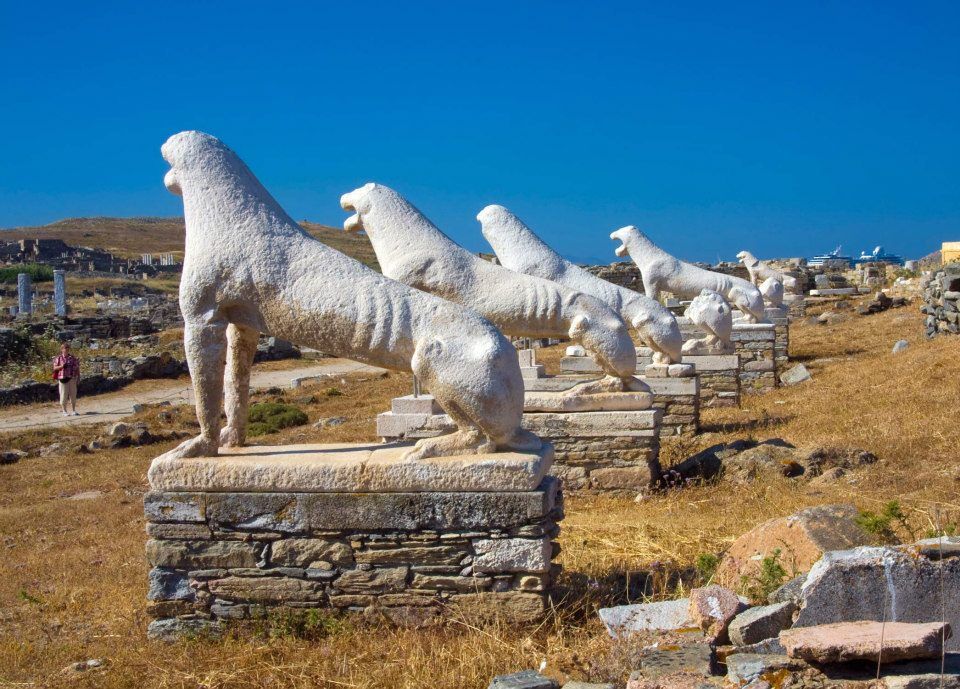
264 532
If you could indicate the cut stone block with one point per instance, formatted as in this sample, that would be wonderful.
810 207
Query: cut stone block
760 623
422 404
797 374
534 401
512 555
690 659
353 467
527 679
743 668
663 616
874 641
881 584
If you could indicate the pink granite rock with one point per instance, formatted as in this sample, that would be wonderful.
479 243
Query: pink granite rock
712 608
888 642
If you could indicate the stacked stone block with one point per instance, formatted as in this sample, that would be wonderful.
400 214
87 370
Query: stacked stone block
756 345
603 451
942 302
404 557
719 376
780 317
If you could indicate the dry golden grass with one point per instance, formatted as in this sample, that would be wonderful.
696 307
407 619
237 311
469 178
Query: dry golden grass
73 579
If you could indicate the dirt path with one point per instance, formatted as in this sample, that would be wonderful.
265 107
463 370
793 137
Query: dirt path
115 405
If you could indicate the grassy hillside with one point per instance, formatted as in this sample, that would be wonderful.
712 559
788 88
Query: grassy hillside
131 237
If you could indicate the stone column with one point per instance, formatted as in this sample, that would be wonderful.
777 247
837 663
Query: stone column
60 293
25 294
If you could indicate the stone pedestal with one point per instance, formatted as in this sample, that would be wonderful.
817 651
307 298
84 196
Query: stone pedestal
266 531
780 317
719 378
529 368
602 451
756 345
602 442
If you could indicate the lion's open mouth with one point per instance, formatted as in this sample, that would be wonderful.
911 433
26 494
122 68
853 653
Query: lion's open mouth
353 223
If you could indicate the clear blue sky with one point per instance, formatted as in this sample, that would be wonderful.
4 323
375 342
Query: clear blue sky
784 128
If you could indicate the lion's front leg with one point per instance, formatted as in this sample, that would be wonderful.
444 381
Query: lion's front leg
204 342
241 350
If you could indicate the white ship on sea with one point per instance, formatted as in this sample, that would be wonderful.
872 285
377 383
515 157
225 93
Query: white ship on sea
834 259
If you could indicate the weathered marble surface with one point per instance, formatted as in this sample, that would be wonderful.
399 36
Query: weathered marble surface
661 271
519 249
414 251
348 468
710 312
772 291
249 268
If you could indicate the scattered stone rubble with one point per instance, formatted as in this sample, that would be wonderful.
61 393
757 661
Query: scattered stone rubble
858 614
941 295
743 461
881 302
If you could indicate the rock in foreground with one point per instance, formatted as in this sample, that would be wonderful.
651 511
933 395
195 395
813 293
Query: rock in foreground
866 640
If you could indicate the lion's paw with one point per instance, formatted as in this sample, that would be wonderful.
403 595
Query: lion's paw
195 447
231 437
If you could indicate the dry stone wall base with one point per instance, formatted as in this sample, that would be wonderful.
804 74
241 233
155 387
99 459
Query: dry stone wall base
756 345
403 557
609 452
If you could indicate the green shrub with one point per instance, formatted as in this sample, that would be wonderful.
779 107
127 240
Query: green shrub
770 577
270 417
36 271
706 565
882 525
333 392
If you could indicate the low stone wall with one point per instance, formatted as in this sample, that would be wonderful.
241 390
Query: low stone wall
756 345
941 302
403 557
602 451
98 375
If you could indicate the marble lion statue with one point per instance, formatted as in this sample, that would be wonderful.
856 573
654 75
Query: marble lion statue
661 271
710 312
772 291
412 250
519 249
760 271
250 269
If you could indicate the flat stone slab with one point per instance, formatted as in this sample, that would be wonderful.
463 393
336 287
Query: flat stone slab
594 424
668 615
348 468
549 401
713 362
866 640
